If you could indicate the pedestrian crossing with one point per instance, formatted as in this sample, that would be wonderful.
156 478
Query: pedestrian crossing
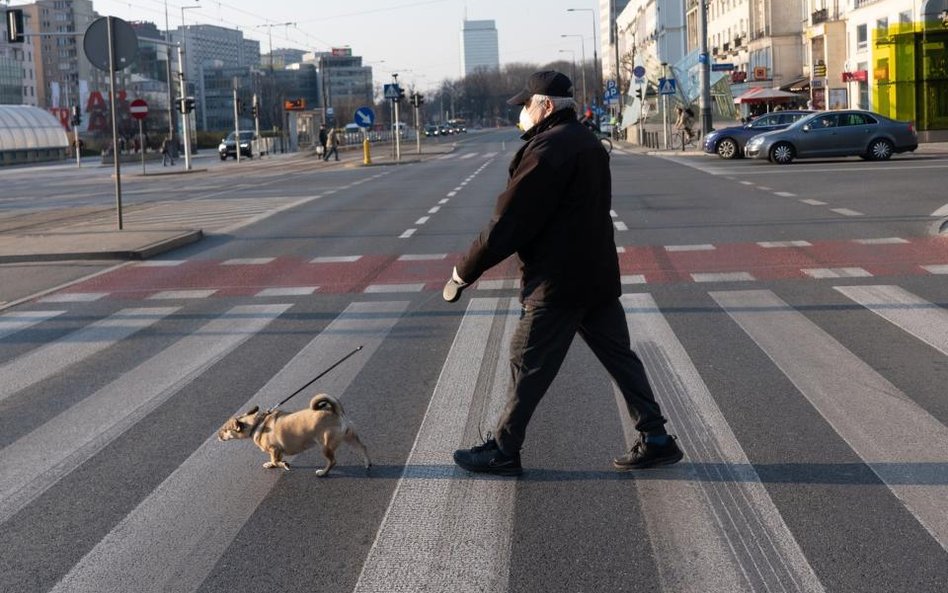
715 522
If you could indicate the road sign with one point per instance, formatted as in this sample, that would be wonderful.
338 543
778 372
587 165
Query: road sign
610 84
639 71
722 67
95 42
138 108
666 86
364 117
391 91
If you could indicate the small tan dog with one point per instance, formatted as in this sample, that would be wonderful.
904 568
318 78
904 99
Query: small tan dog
278 433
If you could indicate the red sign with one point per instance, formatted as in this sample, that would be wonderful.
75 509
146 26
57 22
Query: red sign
857 76
138 108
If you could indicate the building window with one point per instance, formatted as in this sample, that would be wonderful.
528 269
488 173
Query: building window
862 37
863 87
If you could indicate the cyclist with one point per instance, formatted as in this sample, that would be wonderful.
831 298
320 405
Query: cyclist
686 119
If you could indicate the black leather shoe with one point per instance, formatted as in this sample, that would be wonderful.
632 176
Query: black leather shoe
644 455
487 458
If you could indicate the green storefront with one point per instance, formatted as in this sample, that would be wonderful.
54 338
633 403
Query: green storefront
910 71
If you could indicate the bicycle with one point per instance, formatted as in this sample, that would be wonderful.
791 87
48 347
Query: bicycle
606 142
678 140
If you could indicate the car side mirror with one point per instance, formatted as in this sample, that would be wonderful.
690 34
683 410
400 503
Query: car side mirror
806 128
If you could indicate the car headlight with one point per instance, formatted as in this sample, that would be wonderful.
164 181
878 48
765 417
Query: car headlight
244 145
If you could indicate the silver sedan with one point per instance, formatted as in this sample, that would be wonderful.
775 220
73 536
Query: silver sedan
835 133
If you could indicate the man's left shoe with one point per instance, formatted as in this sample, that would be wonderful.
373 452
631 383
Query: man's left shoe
645 454
487 458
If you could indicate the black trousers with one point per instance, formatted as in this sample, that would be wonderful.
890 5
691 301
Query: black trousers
538 347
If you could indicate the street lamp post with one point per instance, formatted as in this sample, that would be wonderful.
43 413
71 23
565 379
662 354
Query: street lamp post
573 61
185 127
269 27
596 70
582 42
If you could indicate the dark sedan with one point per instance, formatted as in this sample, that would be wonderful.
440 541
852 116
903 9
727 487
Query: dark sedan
728 143
836 133
228 146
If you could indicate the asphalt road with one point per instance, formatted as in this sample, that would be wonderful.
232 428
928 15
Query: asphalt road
792 320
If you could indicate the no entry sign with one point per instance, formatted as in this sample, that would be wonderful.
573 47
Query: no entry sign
138 108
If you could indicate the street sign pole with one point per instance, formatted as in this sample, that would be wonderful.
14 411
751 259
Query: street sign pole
185 128
116 157
141 138
236 123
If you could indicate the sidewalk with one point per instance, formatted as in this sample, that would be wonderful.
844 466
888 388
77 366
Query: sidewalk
56 234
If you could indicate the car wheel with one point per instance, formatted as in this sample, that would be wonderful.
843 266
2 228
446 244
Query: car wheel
880 150
728 149
782 153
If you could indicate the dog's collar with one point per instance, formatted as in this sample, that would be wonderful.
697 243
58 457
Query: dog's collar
258 424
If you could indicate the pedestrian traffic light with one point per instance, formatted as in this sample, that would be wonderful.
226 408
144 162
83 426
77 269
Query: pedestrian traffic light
638 93
76 116
254 111
15 26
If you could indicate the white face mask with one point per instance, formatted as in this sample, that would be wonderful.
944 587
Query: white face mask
526 122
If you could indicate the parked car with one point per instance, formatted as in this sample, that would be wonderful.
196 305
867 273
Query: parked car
228 146
728 143
836 133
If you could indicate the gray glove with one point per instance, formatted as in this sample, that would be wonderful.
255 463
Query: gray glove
452 290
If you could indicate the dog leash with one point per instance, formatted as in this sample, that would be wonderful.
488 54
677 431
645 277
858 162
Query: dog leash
319 376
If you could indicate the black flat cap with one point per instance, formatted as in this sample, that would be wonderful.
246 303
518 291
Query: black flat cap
546 82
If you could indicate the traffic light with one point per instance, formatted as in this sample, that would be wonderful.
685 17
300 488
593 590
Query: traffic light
186 105
240 106
254 110
401 94
417 99
638 93
76 116
15 26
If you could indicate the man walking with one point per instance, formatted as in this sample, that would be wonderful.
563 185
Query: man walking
166 153
323 138
555 215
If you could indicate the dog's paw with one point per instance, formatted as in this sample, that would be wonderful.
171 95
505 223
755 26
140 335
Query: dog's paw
322 472
269 465
285 466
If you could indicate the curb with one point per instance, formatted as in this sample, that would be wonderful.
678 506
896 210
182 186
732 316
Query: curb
137 253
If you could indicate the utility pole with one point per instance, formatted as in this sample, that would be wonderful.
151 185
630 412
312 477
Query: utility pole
184 116
704 64
398 144
236 120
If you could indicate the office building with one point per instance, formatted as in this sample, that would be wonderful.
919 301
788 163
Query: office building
479 50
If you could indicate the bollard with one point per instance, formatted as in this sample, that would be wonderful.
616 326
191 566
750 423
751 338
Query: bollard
366 153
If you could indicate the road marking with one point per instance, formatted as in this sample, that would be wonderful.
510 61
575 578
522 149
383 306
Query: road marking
821 273
182 294
620 249
943 211
458 188
444 201
936 269
702 247
847 212
506 283
423 220
721 517
785 194
632 279
451 194
202 506
765 188
445 530
33 463
613 214
248 261
896 438
287 291
467 156
488 155
15 321
335 259
722 276
393 288
160 263
813 202
747 183
422 256
924 320
620 226
51 359
73 297
407 234
881 241
434 210
773 244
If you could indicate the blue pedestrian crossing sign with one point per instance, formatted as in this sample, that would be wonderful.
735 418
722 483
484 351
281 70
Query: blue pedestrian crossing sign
666 86
364 117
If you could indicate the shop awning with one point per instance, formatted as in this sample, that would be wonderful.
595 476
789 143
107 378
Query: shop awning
762 95
800 85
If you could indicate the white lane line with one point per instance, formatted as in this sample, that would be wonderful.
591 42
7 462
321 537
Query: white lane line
936 269
422 220
896 438
812 202
248 261
285 291
73 297
54 357
847 212
488 155
702 247
444 201
722 276
393 288
458 188
160 263
451 194
15 321
620 249
422 256
912 314
820 273
721 517
467 156
943 211
200 508
620 226
408 233
633 279
747 183
33 463
881 241
506 283
335 259
785 194
434 210
765 188
773 244
445 530
182 294
613 214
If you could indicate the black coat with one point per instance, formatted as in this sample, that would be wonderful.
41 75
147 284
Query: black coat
555 215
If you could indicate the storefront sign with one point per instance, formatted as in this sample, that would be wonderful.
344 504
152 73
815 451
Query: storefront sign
857 76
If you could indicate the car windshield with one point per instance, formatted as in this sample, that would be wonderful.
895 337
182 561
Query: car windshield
244 136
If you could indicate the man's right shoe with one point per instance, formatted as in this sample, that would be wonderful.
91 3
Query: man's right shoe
487 458
643 455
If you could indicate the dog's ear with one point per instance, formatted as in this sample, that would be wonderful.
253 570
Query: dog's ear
252 411
238 427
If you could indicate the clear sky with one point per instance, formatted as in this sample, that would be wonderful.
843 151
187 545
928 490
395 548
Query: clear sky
419 39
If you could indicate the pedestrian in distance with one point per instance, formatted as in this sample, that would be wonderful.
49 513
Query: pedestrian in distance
323 138
332 143
555 215
166 152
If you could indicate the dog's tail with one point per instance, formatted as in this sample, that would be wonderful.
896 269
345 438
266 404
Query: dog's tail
324 402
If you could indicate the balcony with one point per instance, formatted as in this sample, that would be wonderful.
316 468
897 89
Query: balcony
861 3
819 16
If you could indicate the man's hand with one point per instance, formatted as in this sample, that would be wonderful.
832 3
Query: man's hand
452 290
